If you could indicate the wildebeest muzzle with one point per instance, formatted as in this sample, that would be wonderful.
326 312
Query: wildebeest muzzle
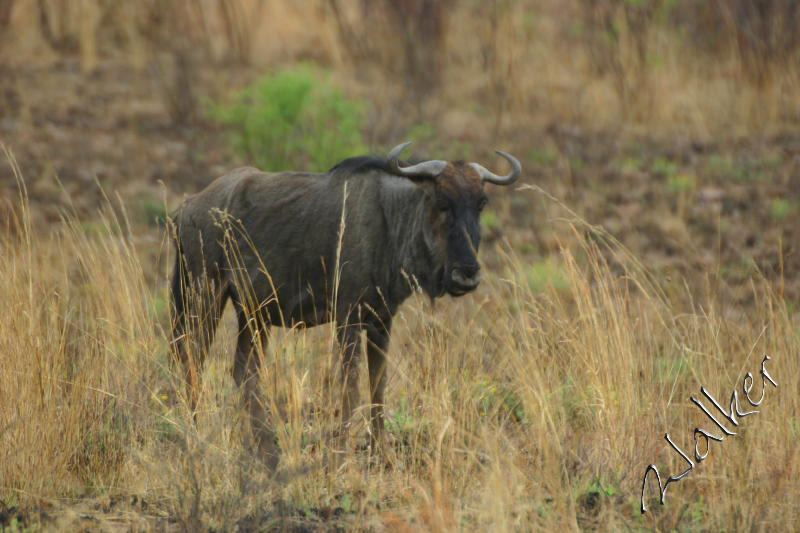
461 279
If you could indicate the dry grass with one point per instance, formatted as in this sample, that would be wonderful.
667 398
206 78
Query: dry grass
660 68
535 403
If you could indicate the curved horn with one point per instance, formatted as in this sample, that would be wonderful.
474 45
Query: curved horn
491 177
394 152
429 169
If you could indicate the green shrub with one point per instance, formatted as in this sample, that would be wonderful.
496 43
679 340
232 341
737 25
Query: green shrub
294 119
780 208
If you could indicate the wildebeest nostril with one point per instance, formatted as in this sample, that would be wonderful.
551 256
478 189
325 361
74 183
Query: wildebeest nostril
466 277
469 271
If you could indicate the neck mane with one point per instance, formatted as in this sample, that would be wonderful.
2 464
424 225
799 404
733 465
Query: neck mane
404 209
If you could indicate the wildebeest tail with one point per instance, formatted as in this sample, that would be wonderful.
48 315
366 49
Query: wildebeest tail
177 288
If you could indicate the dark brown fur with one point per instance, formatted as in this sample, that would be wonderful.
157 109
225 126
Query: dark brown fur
271 244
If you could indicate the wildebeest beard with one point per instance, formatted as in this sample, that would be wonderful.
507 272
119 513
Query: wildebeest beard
432 283
422 264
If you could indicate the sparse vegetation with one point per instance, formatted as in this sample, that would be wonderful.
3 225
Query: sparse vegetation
780 208
546 274
96 410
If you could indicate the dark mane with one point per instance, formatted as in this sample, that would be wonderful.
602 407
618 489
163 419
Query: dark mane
362 163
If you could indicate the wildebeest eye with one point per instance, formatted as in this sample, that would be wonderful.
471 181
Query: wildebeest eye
482 203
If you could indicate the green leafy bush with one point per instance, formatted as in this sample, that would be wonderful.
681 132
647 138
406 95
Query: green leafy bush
294 119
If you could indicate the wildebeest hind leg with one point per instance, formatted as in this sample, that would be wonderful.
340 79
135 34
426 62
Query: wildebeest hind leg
246 373
197 310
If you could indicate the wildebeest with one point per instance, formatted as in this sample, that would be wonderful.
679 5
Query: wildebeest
301 249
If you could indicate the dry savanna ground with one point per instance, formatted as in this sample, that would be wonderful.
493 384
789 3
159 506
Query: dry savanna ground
650 249
534 403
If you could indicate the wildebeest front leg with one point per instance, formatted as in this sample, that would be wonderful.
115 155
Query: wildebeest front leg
377 343
246 372
350 342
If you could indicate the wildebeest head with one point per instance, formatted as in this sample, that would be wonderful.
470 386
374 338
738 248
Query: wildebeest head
456 195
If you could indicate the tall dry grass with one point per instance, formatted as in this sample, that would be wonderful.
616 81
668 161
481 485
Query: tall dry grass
533 404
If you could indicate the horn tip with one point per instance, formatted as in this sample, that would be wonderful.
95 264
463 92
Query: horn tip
394 152
511 159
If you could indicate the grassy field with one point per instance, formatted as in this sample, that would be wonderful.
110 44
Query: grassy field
535 403
650 249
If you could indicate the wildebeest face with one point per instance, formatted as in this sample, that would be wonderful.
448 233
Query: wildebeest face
458 201
455 191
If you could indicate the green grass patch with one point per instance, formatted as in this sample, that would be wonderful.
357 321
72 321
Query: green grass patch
671 369
780 208
400 421
489 220
544 158
149 210
496 399
546 274
681 183
663 167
